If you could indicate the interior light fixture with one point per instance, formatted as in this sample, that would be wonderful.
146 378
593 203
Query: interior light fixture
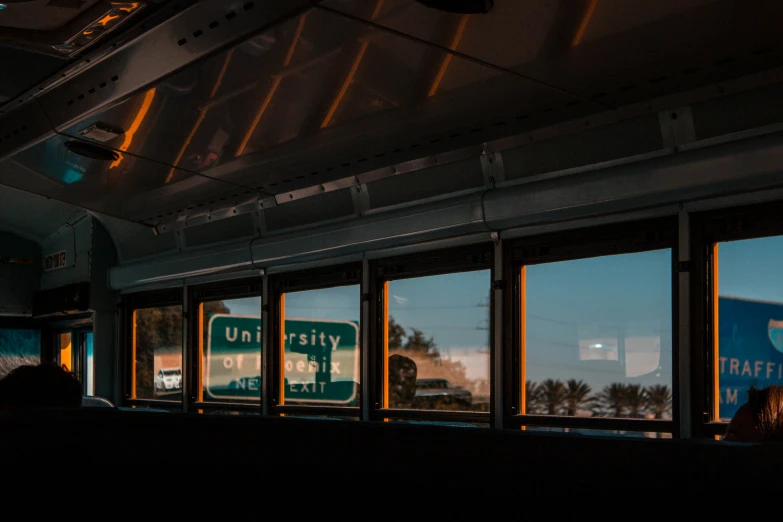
88 150
116 14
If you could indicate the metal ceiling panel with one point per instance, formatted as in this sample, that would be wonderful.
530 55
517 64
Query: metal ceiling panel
688 49
309 76
615 52
255 105
129 187
318 98
109 75
513 32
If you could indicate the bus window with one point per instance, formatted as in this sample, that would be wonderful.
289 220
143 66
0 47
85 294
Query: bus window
441 322
157 345
748 320
18 347
596 336
320 346
230 349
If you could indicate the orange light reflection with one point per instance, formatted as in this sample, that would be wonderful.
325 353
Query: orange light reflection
447 60
145 106
583 26
130 8
201 116
273 88
349 78
106 19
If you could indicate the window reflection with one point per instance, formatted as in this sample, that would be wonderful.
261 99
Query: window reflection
437 342
231 342
157 353
597 336
749 320
17 348
320 342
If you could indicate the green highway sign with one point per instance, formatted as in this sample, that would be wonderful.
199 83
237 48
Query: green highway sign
321 359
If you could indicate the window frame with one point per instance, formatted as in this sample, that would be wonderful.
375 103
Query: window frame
128 304
707 229
571 245
471 258
217 291
332 276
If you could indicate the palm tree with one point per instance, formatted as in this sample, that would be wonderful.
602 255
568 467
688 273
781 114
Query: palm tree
552 395
612 399
532 397
659 399
635 400
577 395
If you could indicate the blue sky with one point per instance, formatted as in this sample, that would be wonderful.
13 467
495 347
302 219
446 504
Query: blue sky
452 308
602 320
751 268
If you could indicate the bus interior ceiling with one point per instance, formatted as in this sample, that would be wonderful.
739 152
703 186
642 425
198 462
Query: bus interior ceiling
274 123
196 141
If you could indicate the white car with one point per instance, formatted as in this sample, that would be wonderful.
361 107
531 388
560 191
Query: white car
168 379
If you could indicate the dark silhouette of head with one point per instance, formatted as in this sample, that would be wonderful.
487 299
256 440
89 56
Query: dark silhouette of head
760 419
402 381
38 387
